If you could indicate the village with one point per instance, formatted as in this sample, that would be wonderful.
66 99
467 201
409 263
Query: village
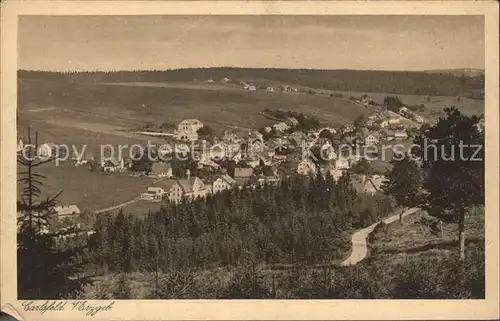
294 145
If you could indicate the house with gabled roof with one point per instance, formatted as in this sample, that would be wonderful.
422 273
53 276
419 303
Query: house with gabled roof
306 167
160 169
189 189
223 183
372 138
66 210
365 184
112 165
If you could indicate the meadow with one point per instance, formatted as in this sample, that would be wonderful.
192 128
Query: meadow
90 191
434 105
220 109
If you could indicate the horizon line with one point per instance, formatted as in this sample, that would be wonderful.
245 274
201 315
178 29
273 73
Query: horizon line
236 67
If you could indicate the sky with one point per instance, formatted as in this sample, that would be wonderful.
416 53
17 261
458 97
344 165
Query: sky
76 43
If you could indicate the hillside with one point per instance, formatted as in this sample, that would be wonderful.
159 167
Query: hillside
391 82
459 72
120 104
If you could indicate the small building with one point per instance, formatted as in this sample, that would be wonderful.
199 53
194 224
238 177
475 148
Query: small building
153 194
187 130
306 167
160 169
270 89
368 184
291 121
403 110
112 165
347 128
341 163
189 189
372 138
281 127
401 134
66 210
47 150
223 183
388 134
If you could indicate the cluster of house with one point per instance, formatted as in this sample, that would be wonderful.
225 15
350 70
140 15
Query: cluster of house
404 111
258 162
283 88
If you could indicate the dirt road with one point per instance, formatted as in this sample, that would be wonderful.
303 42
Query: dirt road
359 246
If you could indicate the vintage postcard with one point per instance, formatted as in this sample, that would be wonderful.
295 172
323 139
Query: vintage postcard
247 160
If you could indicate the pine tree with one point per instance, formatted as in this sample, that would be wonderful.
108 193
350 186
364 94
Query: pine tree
44 270
404 182
453 161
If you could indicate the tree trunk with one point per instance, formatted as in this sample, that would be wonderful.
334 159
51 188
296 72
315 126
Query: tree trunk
461 233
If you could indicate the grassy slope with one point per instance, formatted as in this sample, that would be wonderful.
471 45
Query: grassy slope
395 82
89 190
413 238
218 108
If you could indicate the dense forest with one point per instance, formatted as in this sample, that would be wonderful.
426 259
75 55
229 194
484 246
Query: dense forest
306 221
392 82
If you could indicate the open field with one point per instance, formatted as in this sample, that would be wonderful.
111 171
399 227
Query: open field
434 105
413 236
394 82
218 108
89 190
61 128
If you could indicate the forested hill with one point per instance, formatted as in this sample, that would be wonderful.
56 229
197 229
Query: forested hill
393 82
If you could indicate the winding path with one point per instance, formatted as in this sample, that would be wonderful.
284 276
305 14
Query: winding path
359 246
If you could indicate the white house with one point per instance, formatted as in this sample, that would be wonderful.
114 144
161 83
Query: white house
281 127
112 165
291 121
187 129
223 183
306 167
153 194
403 110
270 89
371 138
394 121
189 189
47 150
66 210
341 163
400 134
160 169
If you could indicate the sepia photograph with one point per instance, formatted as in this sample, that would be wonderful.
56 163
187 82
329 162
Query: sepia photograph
249 157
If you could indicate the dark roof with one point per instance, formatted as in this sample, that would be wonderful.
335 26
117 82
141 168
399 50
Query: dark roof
228 179
187 184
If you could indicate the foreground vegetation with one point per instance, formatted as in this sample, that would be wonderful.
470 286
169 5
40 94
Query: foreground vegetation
301 221
426 275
